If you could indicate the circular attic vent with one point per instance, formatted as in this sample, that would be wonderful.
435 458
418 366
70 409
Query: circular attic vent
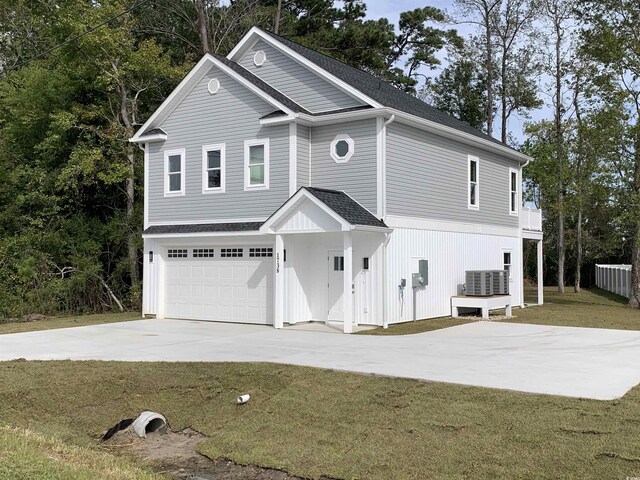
259 58
213 86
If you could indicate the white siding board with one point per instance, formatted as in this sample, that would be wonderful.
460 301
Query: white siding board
357 177
303 155
296 81
427 177
450 255
231 117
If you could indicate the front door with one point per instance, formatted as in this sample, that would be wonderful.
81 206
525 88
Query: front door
336 286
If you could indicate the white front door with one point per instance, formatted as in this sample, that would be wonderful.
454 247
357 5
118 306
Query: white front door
336 286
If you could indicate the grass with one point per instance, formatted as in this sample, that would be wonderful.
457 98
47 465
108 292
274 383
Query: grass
26 454
314 422
593 308
66 322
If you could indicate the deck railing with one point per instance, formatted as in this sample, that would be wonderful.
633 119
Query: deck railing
531 219
614 278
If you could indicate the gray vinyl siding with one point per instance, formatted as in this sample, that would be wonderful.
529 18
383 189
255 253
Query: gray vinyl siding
427 177
303 156
296 81
357 177
231 117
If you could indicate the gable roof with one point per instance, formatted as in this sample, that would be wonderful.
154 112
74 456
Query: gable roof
381 91
346 207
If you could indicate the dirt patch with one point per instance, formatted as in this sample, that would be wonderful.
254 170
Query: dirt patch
176 454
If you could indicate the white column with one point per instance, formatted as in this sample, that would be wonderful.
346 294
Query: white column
539 277
347 296
278 283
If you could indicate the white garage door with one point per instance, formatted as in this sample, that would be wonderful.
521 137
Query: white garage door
220 284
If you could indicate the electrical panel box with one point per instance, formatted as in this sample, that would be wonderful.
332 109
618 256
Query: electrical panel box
423 269
416 280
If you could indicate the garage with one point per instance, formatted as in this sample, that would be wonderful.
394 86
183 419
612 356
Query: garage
223 284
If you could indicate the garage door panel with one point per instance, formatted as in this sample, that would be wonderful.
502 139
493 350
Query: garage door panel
227 290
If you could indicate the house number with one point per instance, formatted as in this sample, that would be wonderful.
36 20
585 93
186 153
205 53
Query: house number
278 262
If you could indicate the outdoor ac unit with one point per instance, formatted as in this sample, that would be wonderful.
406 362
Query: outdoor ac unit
484 283
500 282
479 283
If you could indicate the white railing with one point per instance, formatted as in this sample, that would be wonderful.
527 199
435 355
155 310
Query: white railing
614 278
531 219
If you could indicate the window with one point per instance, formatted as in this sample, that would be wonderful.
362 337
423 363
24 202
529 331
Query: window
213 86
177 253
506 262
365 263
261 252
174 172
342 148
256 164
474 188
259 58
203 253
231 252
213 168
338 264
513 191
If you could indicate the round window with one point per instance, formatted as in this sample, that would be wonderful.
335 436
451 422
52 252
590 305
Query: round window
342 148
213 86
259 58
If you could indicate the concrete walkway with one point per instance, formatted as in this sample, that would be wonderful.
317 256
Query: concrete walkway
575 362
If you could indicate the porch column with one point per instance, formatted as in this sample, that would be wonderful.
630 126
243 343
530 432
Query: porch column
278 283
539 277
347 297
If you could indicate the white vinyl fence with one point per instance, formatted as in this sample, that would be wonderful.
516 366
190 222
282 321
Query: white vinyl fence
614 278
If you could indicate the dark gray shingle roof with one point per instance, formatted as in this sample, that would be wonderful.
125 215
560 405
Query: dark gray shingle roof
262 85
381 91
154 131
205 228
346 207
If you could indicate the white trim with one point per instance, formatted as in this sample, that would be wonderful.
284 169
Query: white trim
293 158
190 80
345 87
247 177
145 148
473 206
380 161
416 223
209 222
205 164
517 192
200 234
510 252
157 137
342 137
170 153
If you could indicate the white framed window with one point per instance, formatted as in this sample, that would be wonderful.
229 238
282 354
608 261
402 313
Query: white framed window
256 164
513 191
213 168
474 184
342 148
506 261
174 172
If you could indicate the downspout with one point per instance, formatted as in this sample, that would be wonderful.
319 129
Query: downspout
385 320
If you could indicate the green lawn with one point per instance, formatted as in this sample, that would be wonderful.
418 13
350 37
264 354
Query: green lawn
592 308
65 322
315 422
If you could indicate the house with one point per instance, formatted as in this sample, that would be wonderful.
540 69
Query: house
283 186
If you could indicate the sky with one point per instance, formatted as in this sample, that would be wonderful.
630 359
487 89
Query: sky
391 9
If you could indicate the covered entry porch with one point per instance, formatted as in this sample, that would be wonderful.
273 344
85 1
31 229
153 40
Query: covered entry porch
328 260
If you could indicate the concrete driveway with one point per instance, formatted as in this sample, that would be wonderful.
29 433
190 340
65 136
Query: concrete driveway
574 362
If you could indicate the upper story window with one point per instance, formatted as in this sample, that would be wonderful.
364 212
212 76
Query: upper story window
256 164
474 185
213 168
513 191
174 173
342 148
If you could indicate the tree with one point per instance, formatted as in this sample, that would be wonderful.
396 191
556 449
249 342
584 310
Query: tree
610 39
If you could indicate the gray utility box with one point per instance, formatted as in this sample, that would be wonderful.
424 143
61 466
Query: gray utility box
421 279
484 283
